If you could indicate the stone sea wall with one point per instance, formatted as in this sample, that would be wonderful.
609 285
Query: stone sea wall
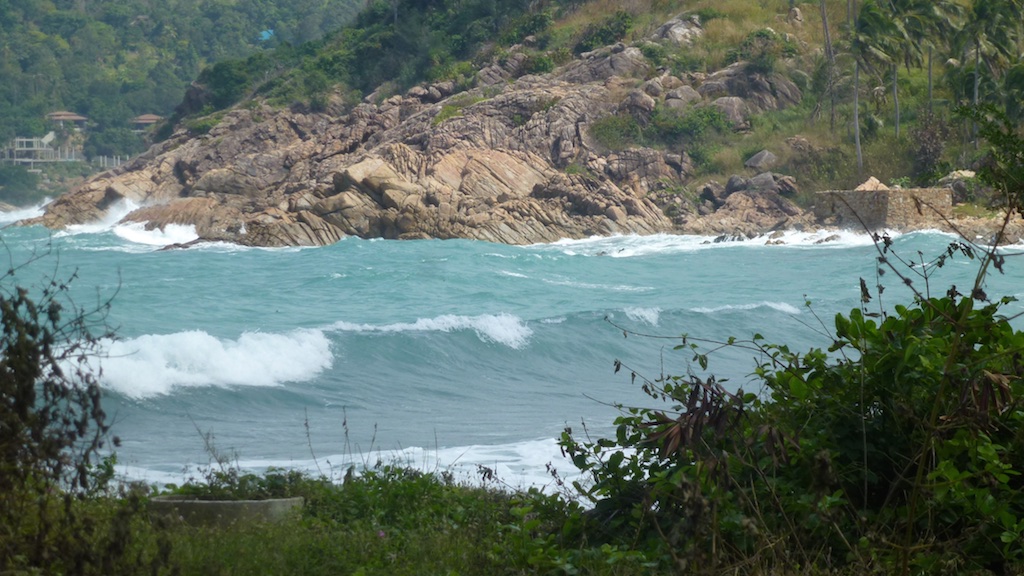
901 209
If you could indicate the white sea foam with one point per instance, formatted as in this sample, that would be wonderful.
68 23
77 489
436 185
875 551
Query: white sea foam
592 286
512 274
22 213
504 329
113 215
170 234
633 246
646 315
780 306
154 365
517 466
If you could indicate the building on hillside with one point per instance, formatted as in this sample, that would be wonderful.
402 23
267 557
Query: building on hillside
63 118
31 151
145 122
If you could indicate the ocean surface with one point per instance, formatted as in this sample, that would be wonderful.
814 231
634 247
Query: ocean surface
443 355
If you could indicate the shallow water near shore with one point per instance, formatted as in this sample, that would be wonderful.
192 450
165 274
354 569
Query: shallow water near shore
435 354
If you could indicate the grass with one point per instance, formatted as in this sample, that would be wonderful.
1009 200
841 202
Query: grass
454 107
389 521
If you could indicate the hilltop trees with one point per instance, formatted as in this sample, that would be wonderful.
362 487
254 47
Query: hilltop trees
62 54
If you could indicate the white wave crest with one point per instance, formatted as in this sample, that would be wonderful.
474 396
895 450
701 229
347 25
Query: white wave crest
521 465
504 329
154 365
512 274
646 315
592 286
629 246
22 213
780 306
113 215
136 232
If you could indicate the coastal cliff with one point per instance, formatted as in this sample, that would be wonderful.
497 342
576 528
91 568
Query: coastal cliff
511 160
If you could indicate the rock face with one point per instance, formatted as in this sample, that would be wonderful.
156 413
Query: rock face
509 161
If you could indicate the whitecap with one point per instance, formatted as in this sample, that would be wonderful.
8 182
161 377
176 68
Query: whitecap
518 466
592 286
136 232
156 364
113 215
631 246
512 274
22 213
779 306
645 315
504 329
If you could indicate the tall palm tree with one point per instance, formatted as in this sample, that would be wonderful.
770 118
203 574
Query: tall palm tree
830 62
991 34
872 45
921 26
1013 91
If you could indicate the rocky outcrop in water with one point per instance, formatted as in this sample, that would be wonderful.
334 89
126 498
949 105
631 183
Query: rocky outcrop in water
509 161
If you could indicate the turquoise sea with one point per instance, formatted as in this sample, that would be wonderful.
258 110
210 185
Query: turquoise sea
443 355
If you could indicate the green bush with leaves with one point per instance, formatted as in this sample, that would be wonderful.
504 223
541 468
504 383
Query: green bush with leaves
762 48
609 31
18 186
898 447
694 131
56 516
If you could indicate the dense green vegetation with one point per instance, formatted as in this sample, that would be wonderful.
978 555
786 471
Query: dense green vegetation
112 60
897 446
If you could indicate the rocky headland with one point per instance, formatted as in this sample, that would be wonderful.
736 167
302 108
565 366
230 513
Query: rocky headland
510 160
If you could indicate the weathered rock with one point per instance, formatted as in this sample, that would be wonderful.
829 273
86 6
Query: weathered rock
795 16
735 184
493 168
763 160
749 214
872 184
684 95
760 92
714 193
763 182
787 185
681 31
605 63
638 104
735 110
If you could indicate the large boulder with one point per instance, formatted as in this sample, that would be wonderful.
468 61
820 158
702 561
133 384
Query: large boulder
681 31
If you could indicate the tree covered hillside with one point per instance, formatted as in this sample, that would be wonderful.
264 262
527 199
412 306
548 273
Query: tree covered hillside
112 60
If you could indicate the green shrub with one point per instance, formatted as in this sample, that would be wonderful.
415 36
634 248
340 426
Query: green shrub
203 124
895 448
708 14
695 131
538 64
608 31
761 49
18 186
527 25
616 132
55 515
454 107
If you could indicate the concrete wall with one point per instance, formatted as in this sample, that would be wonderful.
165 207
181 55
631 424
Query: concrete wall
880 209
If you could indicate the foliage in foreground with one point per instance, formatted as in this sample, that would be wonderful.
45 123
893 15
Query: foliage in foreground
898 447
52 427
